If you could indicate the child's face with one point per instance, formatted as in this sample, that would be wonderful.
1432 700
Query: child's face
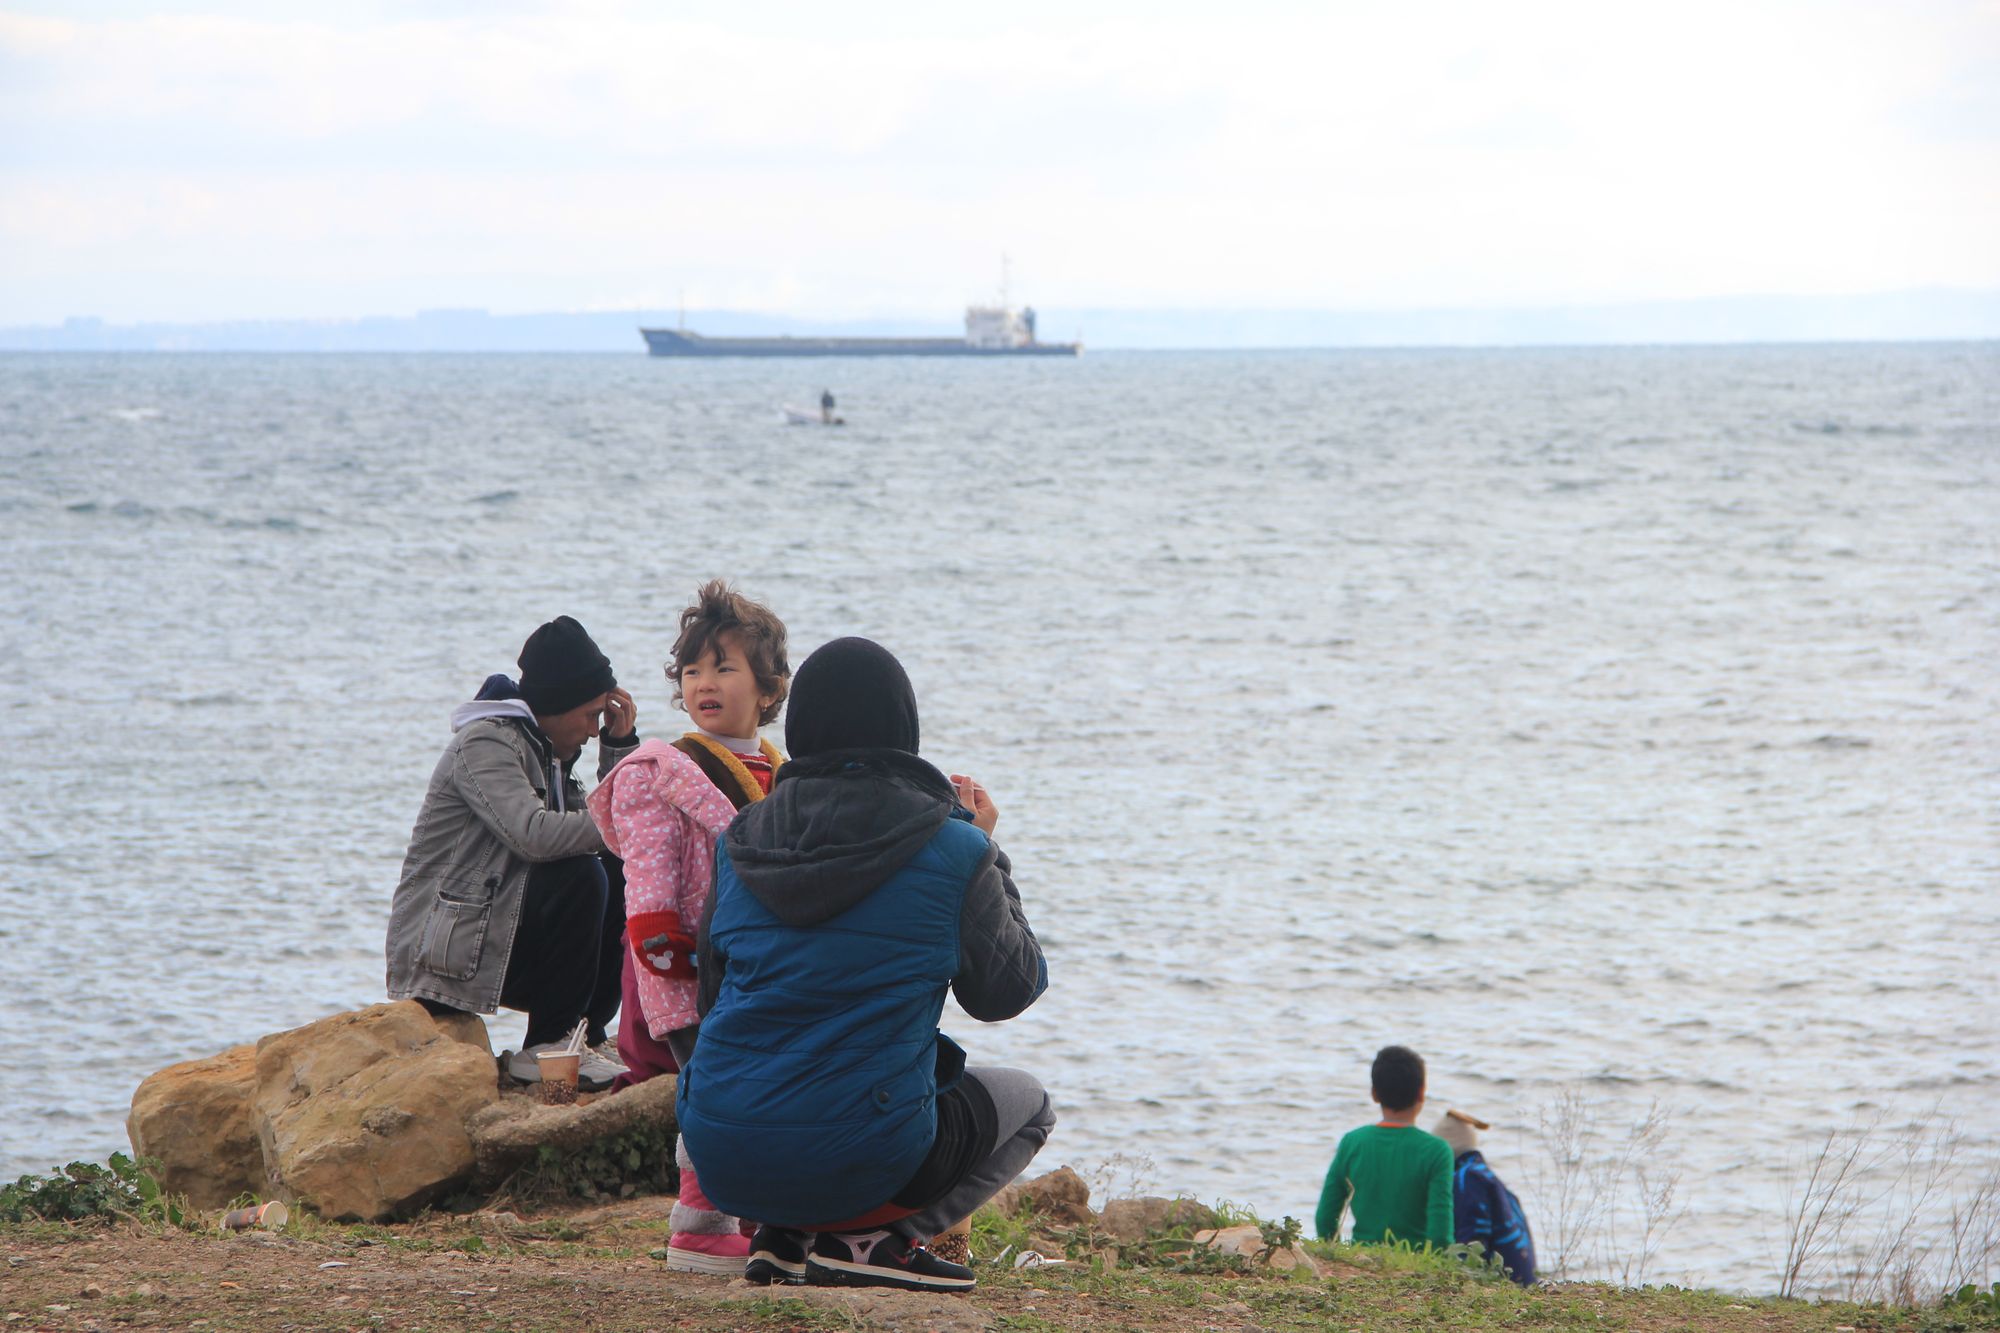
720 692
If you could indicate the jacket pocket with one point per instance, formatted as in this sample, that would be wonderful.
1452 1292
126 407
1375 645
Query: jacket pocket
455 929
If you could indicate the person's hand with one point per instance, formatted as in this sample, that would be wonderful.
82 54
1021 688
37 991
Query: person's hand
973 797
620 714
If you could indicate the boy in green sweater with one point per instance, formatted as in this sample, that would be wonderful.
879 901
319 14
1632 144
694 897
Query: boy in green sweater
1394 1176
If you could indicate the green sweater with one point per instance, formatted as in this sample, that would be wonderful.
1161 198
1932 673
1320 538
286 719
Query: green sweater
1397 1181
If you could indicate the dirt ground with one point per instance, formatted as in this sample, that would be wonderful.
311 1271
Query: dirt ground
595 1269
590 1270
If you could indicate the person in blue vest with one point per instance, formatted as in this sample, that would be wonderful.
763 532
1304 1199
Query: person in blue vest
1485 1209
821 1098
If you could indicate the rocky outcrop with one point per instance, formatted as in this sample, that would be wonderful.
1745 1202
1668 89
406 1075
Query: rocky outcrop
509 1132
365 1116
194 1119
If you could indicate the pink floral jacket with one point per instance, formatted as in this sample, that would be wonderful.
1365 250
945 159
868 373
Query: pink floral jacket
659 811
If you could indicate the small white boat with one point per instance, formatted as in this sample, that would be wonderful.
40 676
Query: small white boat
797 417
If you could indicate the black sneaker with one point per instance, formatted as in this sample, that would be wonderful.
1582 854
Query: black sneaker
777 1255
881 1259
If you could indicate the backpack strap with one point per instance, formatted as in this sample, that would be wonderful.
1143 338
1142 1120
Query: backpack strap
724 769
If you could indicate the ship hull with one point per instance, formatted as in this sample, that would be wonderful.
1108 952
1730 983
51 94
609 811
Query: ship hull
677 342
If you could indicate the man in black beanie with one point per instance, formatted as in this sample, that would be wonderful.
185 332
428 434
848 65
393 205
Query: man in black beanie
508 897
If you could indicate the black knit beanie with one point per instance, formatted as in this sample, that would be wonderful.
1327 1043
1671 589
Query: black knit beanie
850 694
561 668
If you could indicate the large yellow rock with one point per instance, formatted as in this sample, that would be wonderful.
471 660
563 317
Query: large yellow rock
363 1116
194 1119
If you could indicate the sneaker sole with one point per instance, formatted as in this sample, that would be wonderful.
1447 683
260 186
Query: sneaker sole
770 1271
714 1265
839 1273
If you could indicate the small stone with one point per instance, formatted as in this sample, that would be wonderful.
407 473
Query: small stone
1061 1195
660 1253
145 1291
15 1261
334 1263
1135 1219
91 1291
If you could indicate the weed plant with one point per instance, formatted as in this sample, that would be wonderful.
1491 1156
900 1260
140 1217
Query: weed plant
87 1192
638 1161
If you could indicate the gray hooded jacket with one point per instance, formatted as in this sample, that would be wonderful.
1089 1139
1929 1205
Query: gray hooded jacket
499 802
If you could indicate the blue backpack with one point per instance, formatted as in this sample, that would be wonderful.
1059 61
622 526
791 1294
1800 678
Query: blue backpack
1488 1212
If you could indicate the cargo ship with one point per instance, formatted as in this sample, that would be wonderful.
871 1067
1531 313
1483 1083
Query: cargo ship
995 330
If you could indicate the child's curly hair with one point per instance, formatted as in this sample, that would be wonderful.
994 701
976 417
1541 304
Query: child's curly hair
718 610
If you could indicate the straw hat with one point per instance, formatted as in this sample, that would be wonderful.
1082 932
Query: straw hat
1460 1130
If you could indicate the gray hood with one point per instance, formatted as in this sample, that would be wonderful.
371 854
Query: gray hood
478 710
834 828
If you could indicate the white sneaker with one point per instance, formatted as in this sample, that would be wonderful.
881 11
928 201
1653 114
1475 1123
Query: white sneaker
594 1073
607 1051
521 1065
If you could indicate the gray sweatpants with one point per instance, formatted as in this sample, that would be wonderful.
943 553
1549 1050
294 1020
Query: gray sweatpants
1023 1121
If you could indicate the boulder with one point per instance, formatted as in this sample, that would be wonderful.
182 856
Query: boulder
194 1119
506 1134
1136 1219
1248 1241
1060 1196
364 1116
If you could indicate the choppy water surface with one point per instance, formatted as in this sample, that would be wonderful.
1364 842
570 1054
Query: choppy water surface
1622 719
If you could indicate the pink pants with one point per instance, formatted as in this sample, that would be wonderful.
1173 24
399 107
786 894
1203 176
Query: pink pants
644 1058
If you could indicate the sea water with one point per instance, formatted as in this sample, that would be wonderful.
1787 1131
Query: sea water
1615 727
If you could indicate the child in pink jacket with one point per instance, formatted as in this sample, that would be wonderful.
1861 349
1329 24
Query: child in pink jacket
661 809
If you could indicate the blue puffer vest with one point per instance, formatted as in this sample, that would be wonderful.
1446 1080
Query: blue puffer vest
812 1096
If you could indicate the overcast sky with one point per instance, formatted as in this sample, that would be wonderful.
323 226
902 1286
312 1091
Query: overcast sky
223 160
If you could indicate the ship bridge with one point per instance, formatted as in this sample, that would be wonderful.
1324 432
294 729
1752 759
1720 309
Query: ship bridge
999 326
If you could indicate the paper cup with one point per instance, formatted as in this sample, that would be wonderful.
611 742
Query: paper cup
559 1067
269 1216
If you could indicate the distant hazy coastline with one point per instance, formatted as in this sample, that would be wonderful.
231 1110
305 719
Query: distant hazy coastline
1925 315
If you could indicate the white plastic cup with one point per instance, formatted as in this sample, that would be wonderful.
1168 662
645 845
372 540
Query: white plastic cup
269 1216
